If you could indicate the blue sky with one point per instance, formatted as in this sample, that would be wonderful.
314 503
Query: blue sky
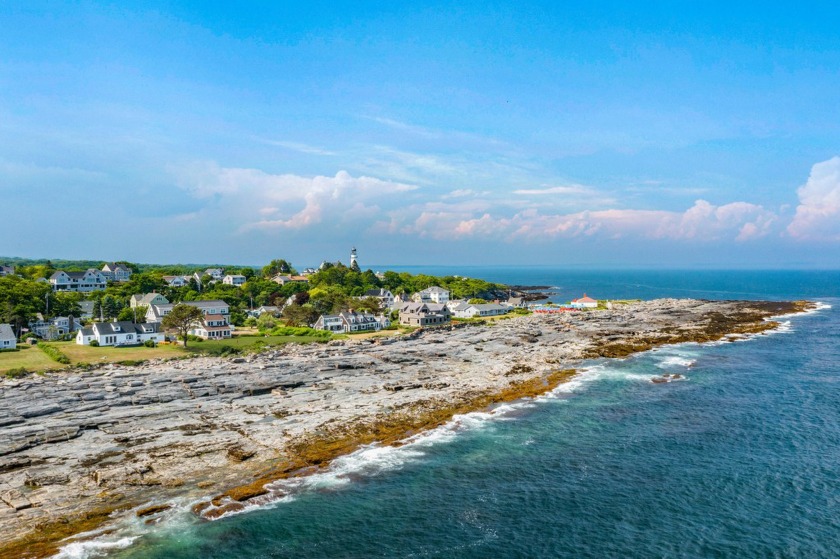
657 134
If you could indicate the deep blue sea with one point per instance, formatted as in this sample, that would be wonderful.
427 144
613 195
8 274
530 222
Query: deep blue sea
740 459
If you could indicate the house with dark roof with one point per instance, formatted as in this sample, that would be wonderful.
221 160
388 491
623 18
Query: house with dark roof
386 298
53 328
215 324
116 272
7 271
7 337
119 333
89 280
351 321
425 315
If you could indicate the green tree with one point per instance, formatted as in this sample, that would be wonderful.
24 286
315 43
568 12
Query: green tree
476 301
278 266
181 320
300 315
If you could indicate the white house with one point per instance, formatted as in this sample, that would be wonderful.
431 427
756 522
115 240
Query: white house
157 312
432 294
350 321
214 325
271 309
425 315
176 281
515 302
7 337
236 280
584 303
467 310
119 333
215 273
90 280
116 272
386 298
147 299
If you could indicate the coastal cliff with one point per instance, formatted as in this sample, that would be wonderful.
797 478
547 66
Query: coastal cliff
79 449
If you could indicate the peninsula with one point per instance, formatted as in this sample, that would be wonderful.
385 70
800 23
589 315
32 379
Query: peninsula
81 449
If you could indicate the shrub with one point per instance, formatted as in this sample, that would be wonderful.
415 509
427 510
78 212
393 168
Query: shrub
299 331
131 362
55 354
8 349
149 343
16 373
94 343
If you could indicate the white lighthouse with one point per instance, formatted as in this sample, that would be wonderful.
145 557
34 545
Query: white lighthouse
353 262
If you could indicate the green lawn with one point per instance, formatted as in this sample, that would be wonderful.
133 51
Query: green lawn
249 343
29 357
33 359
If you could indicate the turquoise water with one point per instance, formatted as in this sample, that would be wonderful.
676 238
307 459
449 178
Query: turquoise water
740 459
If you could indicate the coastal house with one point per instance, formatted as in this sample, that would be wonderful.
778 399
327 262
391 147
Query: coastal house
116 272
53 328
87 309
432 294
283 279
467 310
215 323
7 271
351 321
147 299
90 280
385 297
308 271
176 281
515 302
425 315
584 303
7 337
234 279
212 327
119 333
215 273
271 309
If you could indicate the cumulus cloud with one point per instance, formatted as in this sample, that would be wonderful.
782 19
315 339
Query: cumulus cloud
263 200
818 213
738 221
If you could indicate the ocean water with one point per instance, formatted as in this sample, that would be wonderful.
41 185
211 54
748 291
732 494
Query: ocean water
739 458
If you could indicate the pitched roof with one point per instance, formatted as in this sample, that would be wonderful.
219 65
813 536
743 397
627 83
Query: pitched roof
585 299
6 332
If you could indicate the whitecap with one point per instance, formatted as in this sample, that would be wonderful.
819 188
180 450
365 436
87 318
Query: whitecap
93 548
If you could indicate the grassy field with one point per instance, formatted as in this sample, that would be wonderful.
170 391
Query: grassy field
29 357
248 343
87 354
32 358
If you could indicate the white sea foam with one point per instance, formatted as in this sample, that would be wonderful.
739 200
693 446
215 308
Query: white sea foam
676 361
93 548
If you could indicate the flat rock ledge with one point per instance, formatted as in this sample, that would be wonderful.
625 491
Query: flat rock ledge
76 447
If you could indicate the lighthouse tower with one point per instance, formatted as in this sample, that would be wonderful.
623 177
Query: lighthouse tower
353 263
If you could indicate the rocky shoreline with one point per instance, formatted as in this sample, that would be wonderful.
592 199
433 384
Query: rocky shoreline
78 448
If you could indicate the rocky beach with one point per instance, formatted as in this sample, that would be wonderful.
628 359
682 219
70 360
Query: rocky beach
79 449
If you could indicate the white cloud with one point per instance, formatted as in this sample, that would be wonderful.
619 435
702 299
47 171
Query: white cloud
704 222
575 189
818 213
260 200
